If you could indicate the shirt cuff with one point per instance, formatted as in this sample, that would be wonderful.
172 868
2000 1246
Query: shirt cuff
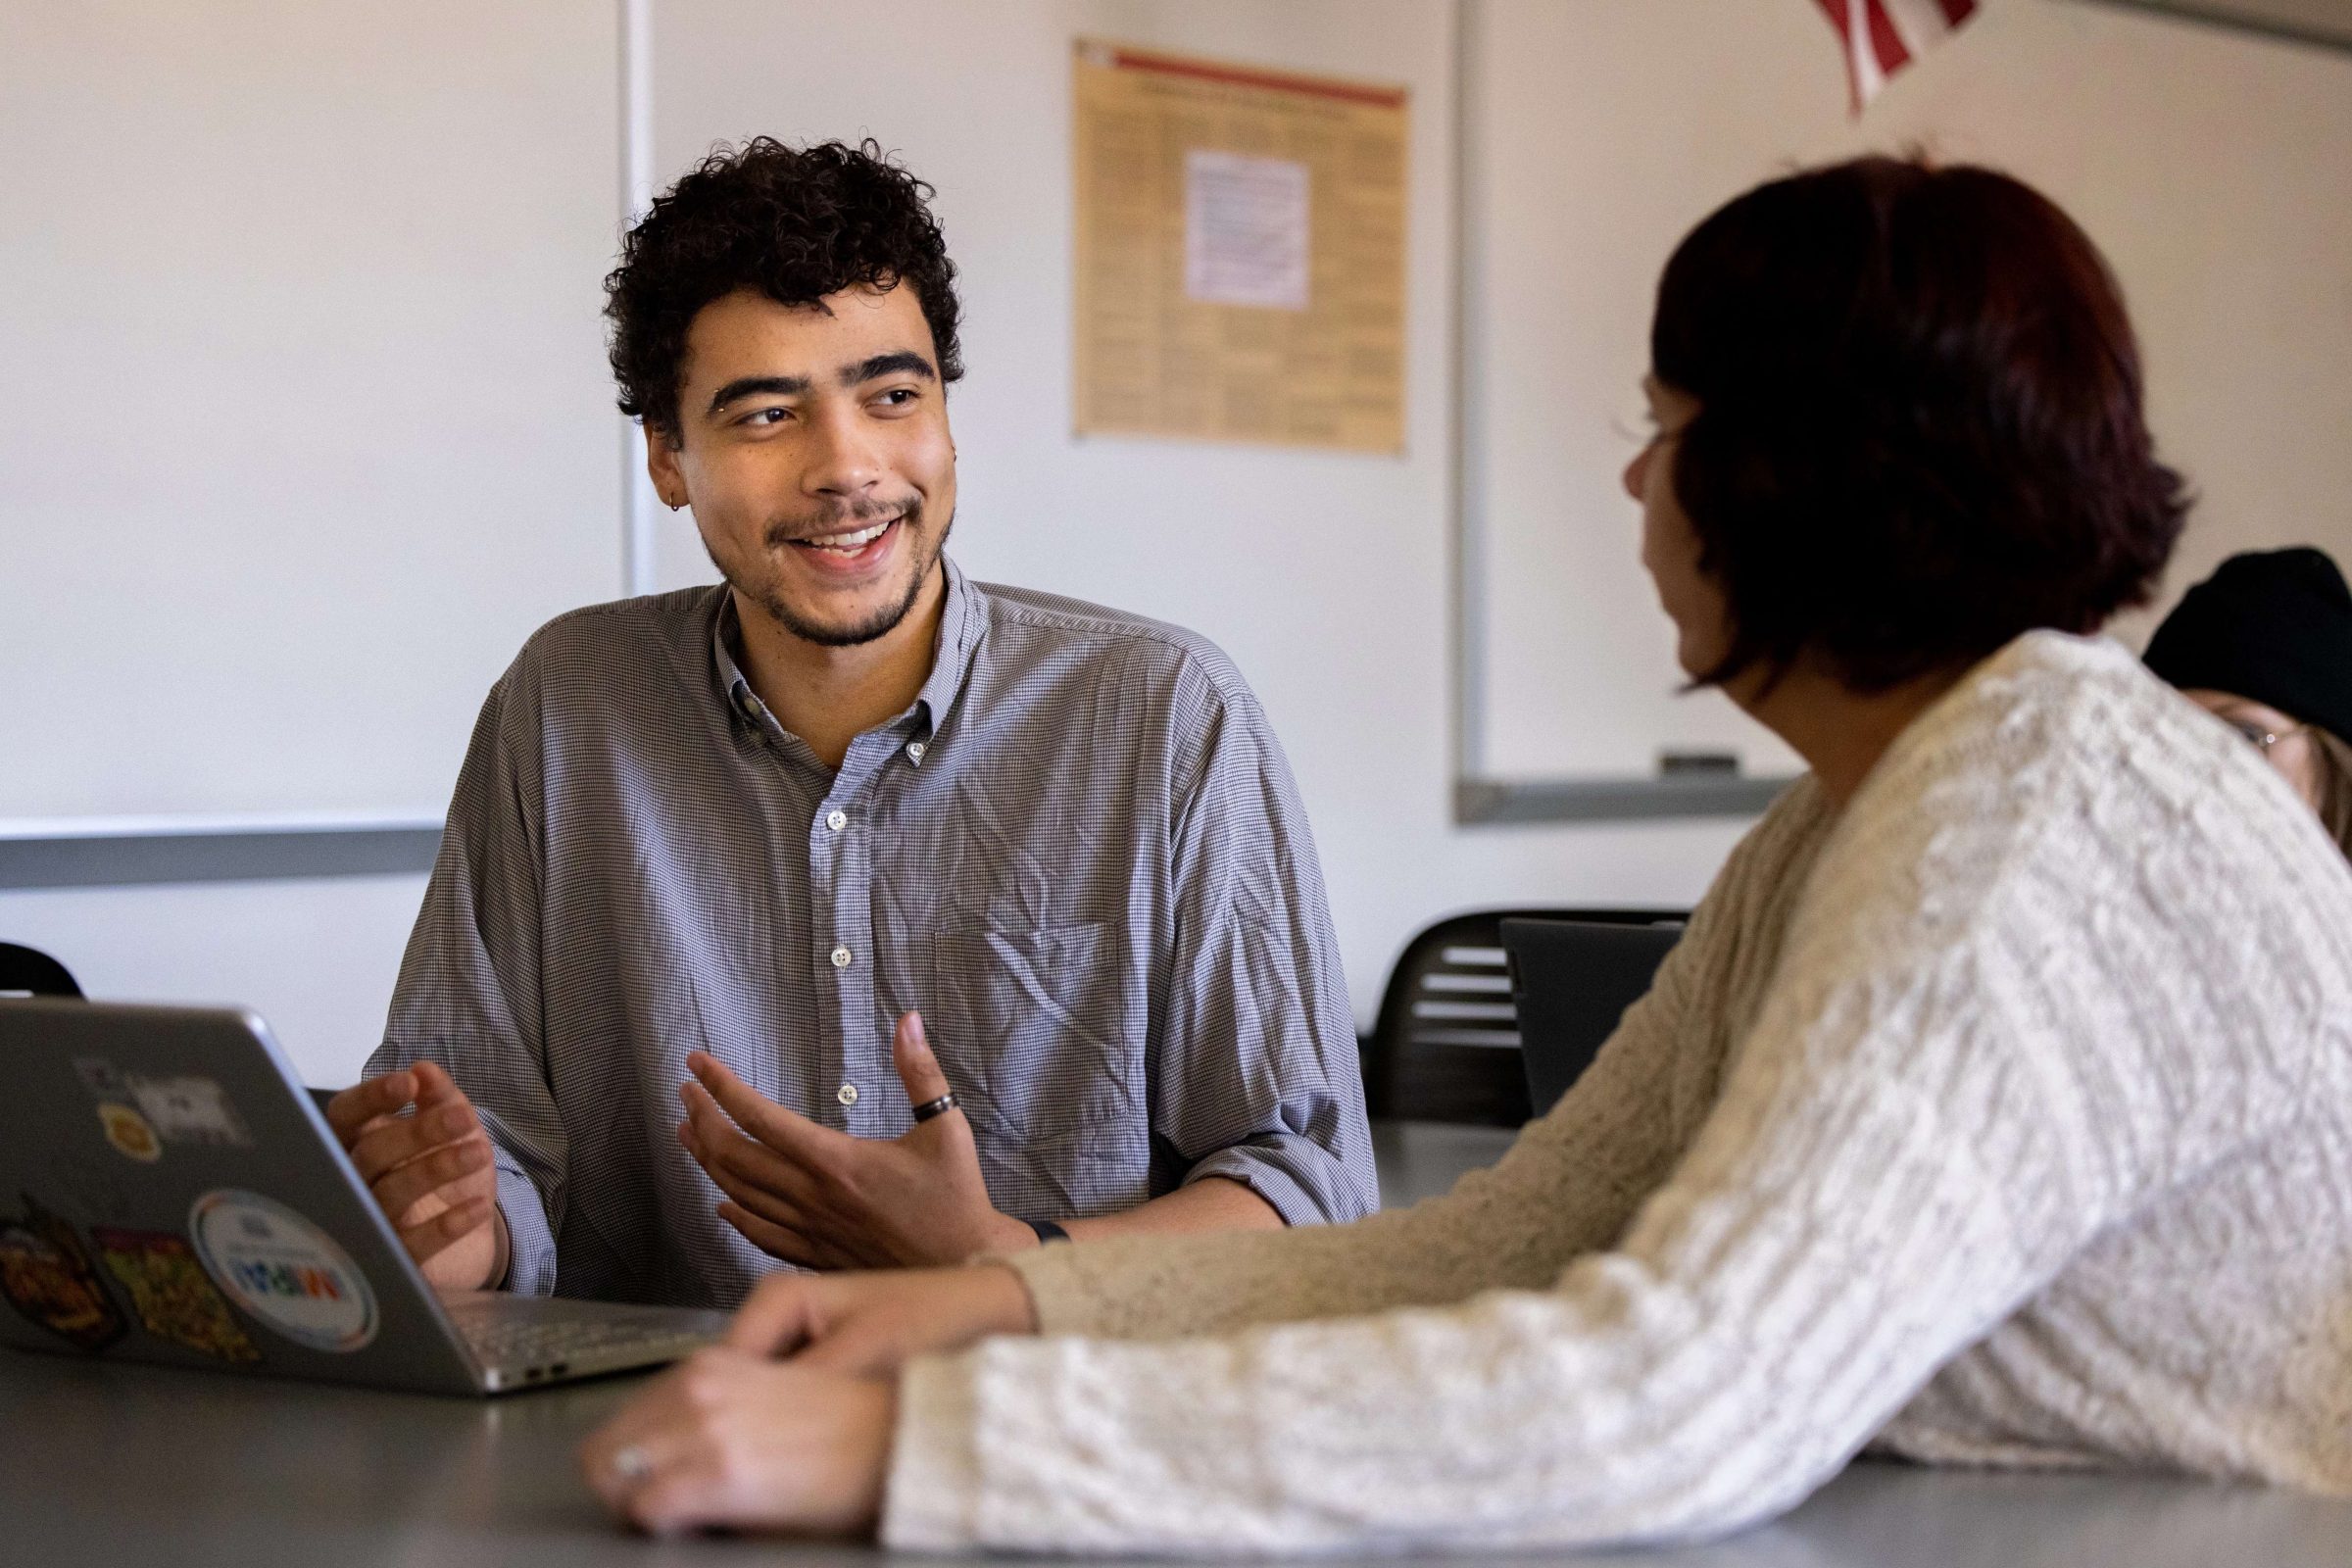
530 1244
1300 1179
931 1501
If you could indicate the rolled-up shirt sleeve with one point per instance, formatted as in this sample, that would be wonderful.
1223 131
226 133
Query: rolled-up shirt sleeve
468 993
1255 1076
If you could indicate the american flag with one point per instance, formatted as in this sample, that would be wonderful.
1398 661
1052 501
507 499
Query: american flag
1881 36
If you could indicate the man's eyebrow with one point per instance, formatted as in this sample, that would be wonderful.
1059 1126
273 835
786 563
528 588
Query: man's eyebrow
901 360
785 386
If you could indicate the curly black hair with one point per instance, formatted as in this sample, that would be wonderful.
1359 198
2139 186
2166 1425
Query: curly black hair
796 224
1920 426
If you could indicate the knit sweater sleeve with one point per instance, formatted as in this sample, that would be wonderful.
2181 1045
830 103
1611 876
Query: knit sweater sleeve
1568 1185
1881 1180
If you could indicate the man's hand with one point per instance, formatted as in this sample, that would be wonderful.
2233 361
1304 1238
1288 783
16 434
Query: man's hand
812 1195
431 1173
871 1325
736 1440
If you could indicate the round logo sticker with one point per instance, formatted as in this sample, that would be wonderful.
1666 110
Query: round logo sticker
129 1133
283 1269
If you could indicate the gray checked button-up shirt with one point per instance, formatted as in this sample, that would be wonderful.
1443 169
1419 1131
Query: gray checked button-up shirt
1079 854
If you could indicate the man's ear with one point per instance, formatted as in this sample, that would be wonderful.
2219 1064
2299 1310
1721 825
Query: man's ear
661 466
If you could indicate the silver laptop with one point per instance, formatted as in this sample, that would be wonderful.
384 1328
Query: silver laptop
170 1193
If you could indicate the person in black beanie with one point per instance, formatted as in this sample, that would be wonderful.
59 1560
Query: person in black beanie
2265 644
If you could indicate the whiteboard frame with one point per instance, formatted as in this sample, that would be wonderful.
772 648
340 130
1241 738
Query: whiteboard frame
123 852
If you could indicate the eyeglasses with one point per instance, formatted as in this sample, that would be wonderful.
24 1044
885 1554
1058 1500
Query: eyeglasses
2261 738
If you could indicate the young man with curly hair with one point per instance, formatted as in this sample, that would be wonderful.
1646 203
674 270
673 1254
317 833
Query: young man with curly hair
849 911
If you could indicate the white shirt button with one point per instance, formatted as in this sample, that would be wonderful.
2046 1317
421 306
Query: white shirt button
837 820
915 751
841 958
847 1093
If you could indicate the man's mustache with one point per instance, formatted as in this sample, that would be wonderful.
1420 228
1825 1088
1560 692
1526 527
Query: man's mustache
842 519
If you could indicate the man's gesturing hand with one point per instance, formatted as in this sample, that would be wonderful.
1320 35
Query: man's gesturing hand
812 1195
431 1173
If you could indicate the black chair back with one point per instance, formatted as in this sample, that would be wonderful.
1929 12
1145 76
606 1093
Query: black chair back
28 971
1447 1045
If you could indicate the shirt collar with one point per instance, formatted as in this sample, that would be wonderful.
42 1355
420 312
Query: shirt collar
961 624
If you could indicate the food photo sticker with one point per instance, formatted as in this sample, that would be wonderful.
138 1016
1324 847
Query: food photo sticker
190 1110
48 1279
130 1132
284 1270
170 1294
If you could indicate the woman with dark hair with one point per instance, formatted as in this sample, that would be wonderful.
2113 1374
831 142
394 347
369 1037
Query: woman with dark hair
2265 644
1951 1128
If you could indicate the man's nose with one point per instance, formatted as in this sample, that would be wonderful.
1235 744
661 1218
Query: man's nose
846 462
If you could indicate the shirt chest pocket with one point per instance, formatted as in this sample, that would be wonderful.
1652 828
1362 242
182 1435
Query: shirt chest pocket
1043 1024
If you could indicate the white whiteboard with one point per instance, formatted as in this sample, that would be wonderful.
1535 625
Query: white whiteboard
305 422
2213 168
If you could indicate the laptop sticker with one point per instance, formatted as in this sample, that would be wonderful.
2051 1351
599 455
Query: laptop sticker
48 1279
284 1270
99 1076
190 1110
129 1133
170 1294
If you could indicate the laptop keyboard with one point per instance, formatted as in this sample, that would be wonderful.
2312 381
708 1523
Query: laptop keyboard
540 1342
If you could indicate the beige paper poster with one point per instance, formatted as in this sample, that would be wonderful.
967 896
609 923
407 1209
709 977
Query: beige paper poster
1241 252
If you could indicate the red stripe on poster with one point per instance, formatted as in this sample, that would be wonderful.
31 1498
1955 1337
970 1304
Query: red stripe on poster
1271 80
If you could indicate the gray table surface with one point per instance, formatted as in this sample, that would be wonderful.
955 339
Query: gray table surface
115 1463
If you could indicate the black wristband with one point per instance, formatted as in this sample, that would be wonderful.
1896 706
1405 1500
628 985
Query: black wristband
1047 1232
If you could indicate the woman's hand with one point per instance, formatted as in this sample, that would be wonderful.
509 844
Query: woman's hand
733 1438
871 1324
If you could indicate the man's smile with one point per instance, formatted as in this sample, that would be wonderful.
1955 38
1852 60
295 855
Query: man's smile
851 541
848 541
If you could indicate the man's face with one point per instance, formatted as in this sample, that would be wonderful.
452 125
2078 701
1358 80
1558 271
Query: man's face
813 446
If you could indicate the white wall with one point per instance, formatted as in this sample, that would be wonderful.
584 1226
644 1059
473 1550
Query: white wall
1325 576
316 957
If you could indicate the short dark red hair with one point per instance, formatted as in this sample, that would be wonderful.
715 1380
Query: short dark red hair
1919 430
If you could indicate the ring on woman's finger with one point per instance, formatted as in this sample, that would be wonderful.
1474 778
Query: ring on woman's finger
632 1464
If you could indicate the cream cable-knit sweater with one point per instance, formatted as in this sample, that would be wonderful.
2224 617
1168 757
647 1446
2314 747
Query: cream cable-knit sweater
2005 1117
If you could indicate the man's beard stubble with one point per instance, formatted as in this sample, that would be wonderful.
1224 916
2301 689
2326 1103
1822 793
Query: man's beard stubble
882 622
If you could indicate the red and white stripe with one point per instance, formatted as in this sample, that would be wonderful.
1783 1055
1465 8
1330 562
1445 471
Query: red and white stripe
1881 36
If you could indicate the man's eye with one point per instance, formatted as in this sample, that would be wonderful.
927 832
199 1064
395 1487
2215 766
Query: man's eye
765 417
897 397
